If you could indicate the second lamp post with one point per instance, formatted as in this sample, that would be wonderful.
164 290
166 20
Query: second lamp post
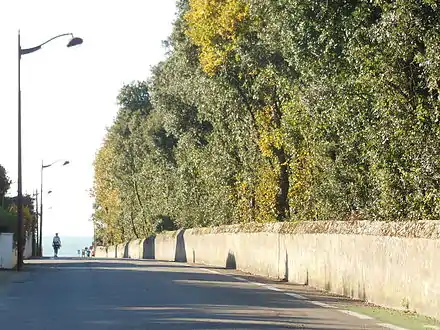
23 51
66 162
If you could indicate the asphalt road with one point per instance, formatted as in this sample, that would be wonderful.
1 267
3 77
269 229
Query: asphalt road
67 294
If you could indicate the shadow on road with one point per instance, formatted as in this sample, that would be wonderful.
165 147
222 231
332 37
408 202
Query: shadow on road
127 294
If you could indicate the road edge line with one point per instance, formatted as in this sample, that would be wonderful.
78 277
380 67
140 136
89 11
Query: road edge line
391 326
355 314
305 299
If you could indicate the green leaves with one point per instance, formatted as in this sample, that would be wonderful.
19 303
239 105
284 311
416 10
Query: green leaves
5 182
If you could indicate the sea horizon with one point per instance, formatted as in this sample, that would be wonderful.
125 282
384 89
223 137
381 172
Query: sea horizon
69 245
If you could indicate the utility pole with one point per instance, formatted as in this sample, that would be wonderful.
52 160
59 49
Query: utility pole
35 230
19 180
40 235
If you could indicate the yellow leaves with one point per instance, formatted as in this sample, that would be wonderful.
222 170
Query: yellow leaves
106 194
244 197
256 201
270 137
213 25
264 190
302 180
266 194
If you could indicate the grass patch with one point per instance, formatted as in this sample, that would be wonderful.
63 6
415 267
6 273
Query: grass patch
402 319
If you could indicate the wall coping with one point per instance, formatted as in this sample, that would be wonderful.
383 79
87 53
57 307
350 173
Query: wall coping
429 229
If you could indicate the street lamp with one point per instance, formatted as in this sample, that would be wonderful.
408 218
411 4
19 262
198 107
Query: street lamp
35 230
23 51
39 232
65 162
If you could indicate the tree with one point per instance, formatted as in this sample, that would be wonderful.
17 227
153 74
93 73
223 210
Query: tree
8 217
278 110
5 182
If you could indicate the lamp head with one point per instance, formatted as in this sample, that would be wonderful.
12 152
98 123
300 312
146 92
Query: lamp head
75 42
66 163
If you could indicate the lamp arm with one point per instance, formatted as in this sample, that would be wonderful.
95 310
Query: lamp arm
57 161
34 49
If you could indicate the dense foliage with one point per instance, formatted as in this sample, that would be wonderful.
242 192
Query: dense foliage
275 110
5 183
8 209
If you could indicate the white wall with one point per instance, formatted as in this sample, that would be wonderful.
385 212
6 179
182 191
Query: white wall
28 247
8 256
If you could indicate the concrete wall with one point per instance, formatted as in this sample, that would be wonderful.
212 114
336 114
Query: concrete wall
27 253
389 264
111 252
101 252
8 253
8 256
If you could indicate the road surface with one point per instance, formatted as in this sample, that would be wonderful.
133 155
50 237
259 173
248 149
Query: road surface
67 294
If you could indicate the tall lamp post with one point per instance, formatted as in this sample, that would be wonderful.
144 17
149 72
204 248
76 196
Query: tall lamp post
23 51
66 162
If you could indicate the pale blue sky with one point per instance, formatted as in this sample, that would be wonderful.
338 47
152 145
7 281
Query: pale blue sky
69 94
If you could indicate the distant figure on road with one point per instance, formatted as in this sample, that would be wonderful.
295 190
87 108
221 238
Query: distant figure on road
83 253
56 244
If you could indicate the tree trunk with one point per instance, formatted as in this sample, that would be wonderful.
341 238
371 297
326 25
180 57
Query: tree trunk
282 202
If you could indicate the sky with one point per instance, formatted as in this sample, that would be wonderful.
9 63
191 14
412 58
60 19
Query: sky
69 94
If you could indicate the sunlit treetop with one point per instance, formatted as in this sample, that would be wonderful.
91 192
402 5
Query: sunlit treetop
214 26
